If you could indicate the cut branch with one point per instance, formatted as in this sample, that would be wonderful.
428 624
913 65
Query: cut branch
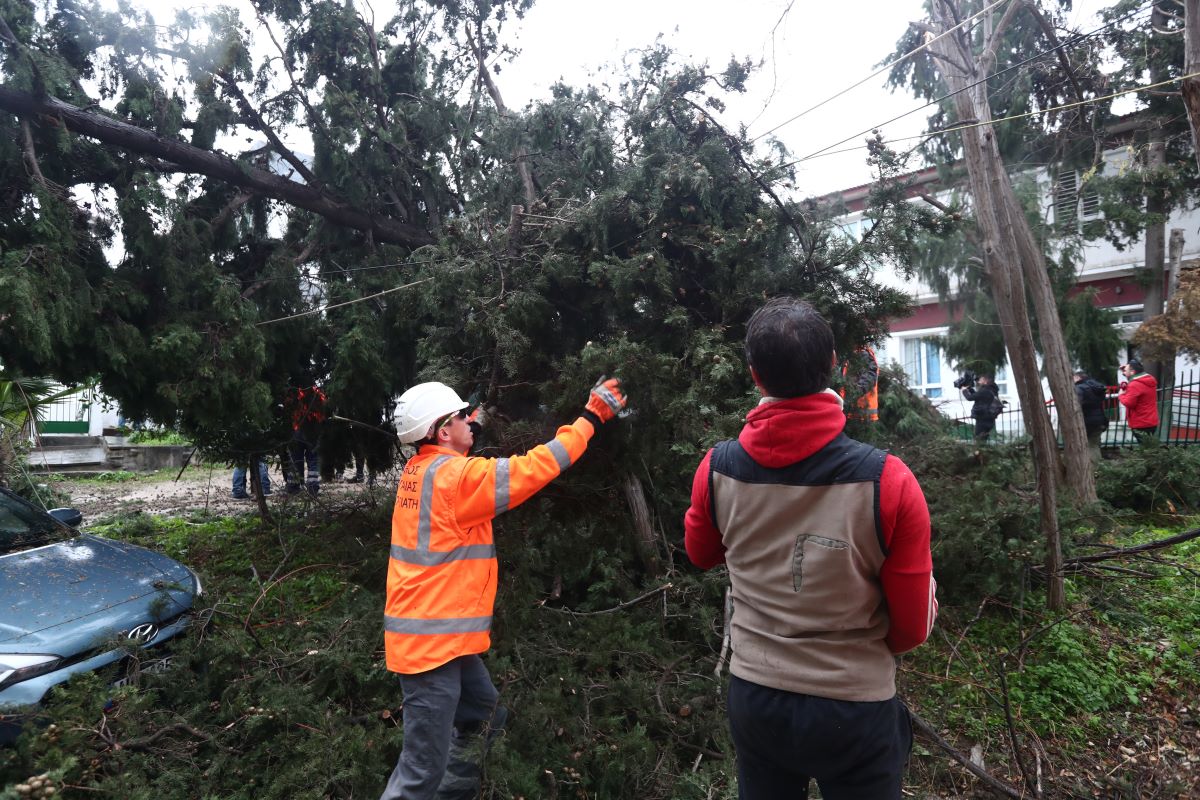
205 162
1125 552
995 784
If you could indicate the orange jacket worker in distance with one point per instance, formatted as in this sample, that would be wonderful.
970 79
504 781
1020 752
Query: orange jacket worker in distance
441 582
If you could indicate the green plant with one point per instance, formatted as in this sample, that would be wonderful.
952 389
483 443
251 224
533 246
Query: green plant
1152 478
116 476
157 436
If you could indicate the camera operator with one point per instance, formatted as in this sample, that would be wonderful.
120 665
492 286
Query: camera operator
983 392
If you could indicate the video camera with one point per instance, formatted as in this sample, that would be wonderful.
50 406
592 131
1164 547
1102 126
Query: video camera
968 378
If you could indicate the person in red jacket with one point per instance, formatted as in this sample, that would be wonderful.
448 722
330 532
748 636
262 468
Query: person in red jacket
826 540
1140 398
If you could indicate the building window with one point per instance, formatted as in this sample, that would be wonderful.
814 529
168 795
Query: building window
1001 381
923 365
1070 203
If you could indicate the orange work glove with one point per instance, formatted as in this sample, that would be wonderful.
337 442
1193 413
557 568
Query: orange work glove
606 399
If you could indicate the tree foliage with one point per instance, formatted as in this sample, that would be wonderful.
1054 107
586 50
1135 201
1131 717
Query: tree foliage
196 300
1176 330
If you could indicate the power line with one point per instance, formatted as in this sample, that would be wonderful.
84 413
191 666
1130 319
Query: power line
319 309
879 71
1064 107
1070 43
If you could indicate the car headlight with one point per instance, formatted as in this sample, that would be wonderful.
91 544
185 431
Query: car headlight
15 668
199 589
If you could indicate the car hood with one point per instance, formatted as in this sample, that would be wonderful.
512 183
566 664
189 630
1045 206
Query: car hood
95 585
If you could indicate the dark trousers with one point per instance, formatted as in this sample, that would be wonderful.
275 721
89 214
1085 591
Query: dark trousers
983 428
855 751
305 465
443 708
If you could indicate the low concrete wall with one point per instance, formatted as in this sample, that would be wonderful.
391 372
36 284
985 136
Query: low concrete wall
146 458
105 454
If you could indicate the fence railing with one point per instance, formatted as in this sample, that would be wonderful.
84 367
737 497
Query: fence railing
70 414
1178 415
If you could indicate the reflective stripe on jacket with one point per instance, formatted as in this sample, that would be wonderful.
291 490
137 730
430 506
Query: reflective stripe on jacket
441 582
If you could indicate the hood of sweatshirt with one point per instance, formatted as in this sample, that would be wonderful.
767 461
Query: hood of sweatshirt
782 432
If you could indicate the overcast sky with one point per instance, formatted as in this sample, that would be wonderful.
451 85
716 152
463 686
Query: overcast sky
809 51
809 54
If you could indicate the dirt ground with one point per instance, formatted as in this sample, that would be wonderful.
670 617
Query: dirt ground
200 489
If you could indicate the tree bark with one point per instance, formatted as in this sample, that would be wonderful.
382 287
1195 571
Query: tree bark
1167 383
1155 252
644 539
1191 65
999 221
51 111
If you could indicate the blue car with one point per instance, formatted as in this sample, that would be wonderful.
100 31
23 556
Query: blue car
71 602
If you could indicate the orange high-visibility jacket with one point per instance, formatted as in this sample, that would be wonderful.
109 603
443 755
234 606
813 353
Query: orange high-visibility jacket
868 384
441 581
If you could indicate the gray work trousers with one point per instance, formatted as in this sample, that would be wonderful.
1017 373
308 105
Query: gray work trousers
445 706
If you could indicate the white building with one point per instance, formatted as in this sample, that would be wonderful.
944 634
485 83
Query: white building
912 343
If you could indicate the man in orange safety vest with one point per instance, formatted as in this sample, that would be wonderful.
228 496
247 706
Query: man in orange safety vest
867 381
441 582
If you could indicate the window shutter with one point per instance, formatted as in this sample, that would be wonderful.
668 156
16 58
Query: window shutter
1066 197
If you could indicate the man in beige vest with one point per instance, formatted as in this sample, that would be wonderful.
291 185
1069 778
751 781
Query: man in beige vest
827 544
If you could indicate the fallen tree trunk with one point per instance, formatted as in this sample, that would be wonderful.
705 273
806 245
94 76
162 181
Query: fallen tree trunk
110 131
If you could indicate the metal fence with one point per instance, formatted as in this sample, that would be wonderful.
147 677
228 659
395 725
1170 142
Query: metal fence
1178 414
70 414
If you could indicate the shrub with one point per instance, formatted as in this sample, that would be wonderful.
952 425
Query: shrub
1152 478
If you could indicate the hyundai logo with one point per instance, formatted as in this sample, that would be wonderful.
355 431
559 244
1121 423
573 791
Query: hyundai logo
142 633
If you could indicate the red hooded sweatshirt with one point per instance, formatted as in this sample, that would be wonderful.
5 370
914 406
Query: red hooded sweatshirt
1140 398
782 432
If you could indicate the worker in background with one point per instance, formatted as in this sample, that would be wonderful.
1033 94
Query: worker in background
867 382
441 582
827 545
306 410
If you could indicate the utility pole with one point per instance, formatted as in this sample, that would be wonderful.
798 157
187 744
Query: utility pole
1016 270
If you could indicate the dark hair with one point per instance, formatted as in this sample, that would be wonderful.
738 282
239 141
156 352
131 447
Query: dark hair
1134 364
790 347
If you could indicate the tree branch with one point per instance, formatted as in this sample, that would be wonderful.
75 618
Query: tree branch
1122 552
996 785
261 124
1048 29
987 59
31 161
205 162
520 154
621 607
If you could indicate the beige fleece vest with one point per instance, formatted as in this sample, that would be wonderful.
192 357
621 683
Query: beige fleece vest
804 560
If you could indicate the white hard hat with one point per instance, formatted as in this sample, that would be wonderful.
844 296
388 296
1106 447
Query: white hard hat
423 405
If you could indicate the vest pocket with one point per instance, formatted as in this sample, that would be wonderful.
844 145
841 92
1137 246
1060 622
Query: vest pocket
821 556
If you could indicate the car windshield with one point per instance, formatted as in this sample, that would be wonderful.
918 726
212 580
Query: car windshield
23 525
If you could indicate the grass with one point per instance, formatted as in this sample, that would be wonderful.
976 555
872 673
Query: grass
283 692
1120 663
